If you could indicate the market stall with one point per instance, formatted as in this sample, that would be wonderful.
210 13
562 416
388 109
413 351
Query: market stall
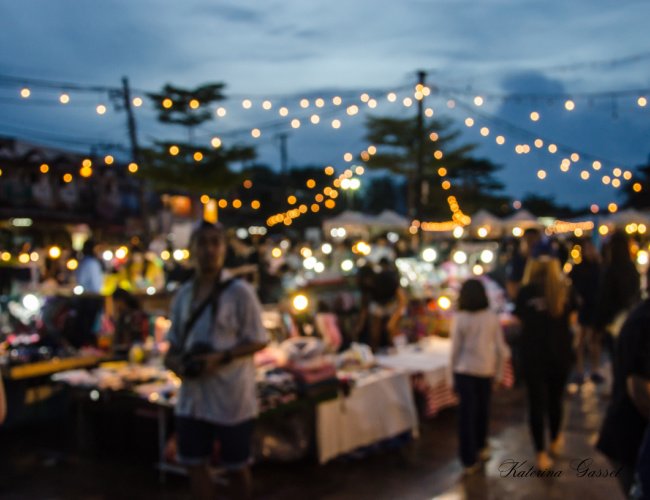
380 406
427 362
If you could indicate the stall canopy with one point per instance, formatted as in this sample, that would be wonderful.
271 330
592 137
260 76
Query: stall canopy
354 223
389 220
488 220
523 219
629 216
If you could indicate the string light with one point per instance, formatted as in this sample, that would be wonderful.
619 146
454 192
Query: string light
101 109
64 98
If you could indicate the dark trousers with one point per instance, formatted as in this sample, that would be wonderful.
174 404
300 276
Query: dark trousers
474 394
545 396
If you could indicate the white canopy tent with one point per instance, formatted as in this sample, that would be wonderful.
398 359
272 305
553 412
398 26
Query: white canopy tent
389 219
521 218
484 219
354 223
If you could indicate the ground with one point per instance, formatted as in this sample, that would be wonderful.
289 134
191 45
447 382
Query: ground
38 462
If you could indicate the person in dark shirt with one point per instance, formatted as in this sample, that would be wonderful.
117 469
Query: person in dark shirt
629 409
620 284
543 306
585 279
517 263
131 322
386 306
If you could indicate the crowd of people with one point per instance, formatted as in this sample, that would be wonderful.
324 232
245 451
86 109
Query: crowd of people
561 315
569 319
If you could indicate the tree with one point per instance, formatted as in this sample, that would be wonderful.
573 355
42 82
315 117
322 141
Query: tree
397 139
382 194
545 206
184 166
476 187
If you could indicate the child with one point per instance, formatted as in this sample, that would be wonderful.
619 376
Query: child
478 355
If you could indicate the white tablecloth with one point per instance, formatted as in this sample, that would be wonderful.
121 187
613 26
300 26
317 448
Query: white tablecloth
428 362
379 407
430 357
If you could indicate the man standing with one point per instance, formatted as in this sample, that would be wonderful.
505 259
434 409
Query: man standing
216 328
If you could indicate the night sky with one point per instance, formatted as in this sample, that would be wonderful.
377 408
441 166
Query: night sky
521 56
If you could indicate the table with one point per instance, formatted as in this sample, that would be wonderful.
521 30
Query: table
379 406
428 363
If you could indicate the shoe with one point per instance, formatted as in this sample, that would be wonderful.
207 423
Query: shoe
544 462
557 446
472 469
485 454
597 378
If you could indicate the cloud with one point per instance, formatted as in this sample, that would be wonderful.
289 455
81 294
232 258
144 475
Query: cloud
232 13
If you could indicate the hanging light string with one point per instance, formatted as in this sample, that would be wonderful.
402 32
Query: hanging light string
542 144
319 102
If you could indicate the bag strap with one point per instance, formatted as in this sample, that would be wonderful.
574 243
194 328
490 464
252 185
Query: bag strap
211 299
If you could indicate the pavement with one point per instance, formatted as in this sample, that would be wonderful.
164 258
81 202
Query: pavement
38 462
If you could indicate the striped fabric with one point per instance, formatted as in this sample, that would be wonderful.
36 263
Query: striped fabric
441 395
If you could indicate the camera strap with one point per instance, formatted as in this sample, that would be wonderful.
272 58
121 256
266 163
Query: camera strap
212 298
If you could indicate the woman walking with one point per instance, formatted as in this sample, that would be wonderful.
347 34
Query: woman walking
543 307
478 356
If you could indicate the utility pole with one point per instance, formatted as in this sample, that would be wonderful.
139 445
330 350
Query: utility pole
135 157
284 157
418 189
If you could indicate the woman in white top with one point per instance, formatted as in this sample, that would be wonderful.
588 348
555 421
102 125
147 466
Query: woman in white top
478 356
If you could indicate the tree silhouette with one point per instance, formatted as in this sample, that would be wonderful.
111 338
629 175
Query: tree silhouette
398 147
192 169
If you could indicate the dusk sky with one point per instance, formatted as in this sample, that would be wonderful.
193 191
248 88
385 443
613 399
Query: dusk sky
521 56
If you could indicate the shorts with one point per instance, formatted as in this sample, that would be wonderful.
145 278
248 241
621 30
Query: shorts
196 441
382 310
